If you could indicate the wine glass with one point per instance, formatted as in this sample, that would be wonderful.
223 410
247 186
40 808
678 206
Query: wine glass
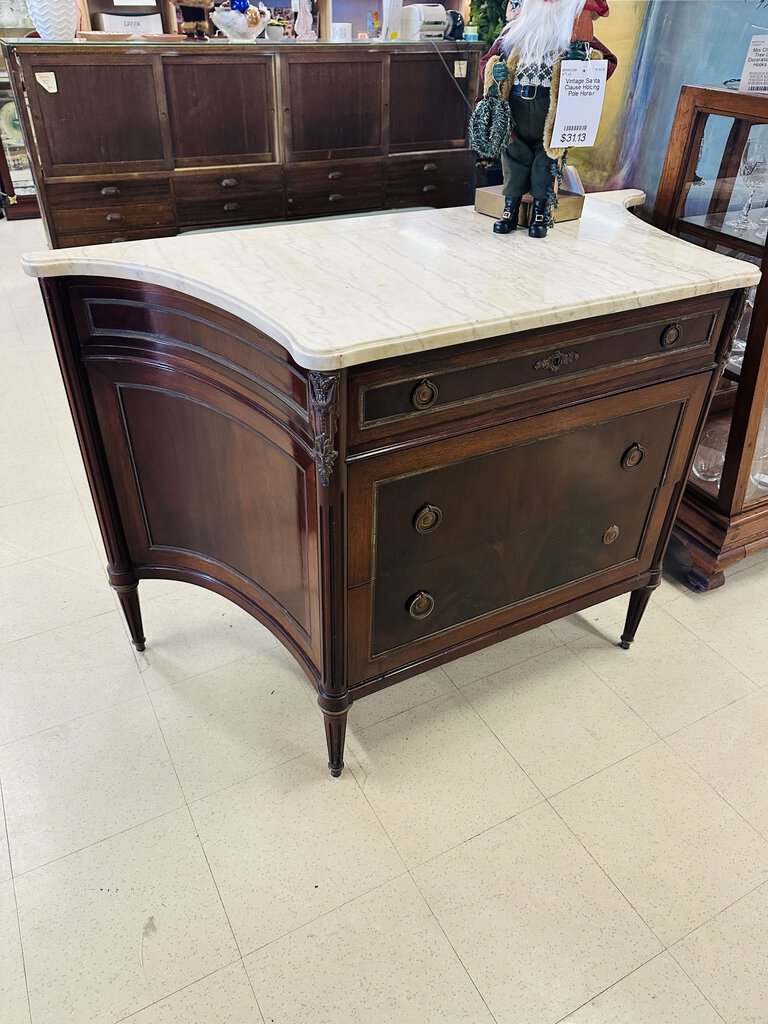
754 171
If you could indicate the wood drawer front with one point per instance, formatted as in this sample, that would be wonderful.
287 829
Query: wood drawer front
334 187
227 184
433 179
67 239
439 194
106 193
443 387
524 519
240 209
117 219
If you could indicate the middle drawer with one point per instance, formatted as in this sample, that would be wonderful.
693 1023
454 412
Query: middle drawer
334 187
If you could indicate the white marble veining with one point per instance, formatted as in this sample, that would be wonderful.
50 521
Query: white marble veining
375 287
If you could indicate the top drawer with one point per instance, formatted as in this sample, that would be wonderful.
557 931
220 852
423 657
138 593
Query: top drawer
107 192
228 183
452 383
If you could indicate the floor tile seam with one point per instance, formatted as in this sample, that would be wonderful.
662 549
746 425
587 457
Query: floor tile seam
12 882
721 654
181 679
466 970
405 711
375 813
70 721
564 1018
97 842
613 882
54 629
325 913
716 711
508 668
696 986
66 551
247 778
719 795
620 760
39 497
196 830
170 995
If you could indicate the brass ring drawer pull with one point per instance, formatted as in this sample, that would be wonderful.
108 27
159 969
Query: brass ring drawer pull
335 197
110 190
611 534
424 395
228 182
427 519
421 605
112 217
671 335
231 207
633 456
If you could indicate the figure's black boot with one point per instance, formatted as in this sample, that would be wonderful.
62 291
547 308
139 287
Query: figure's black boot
508 220
538 227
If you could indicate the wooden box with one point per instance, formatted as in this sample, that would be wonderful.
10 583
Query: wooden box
490 201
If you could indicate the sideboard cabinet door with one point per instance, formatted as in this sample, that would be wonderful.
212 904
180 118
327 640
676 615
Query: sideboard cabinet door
426 106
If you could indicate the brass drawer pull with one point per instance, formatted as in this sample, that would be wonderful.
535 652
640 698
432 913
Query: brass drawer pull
633 456
427 519
671 335
112 217
335 175
231 207
335 197
424 395
429 188
430 167
611 534
556 361
421 605
229 182
119 240
110 190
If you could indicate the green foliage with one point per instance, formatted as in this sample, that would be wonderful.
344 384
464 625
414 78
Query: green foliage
488 15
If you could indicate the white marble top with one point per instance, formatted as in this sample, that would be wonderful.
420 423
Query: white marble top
374 287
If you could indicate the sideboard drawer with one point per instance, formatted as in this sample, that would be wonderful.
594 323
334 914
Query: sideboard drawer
513 513
334 187
109 193
432 179
227 183
223 210
443 388
117 218
67 239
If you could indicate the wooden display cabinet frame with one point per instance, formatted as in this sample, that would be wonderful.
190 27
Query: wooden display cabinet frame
719 531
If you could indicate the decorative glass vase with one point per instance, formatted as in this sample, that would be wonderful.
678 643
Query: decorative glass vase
55 20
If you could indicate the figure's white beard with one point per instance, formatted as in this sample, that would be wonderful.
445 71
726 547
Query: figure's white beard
541 30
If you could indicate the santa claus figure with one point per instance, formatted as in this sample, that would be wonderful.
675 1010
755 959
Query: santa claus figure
524 62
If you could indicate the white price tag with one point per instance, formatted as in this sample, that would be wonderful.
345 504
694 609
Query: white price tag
460 69
754 77
579 102
48 80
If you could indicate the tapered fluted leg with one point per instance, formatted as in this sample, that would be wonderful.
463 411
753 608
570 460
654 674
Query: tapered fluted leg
638 602
129 602
335 733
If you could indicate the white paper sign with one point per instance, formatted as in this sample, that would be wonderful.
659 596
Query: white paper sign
579 102
754 77
134 3
48 80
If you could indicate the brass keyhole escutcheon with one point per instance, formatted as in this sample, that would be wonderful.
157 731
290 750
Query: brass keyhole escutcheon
633 456
611 534
671 335
427 519
421 605
424 395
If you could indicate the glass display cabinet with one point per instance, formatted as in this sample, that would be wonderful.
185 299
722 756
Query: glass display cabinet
714 191
18 196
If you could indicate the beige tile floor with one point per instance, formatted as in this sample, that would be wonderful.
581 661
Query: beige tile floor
550 830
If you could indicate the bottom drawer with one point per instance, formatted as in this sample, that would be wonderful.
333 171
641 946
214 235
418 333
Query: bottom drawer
230 210
341 200
67 239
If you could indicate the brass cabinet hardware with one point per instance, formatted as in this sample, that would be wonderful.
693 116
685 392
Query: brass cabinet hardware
424 395
556 361
427 519
119 239
335 197
110 190
228 182
671 335
429 188
430 167
611 534
334 175
112 217
633 456
231 207
421 605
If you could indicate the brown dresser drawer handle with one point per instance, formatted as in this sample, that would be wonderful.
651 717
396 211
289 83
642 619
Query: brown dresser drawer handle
429 188
231 207
335 175
112 217
671 335
335 197
427 519
430 167
110 190
611 534
633 456
424 395
556 361
228 182
421 605
119 240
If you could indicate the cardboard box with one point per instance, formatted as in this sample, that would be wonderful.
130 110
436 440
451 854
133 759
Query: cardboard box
490 201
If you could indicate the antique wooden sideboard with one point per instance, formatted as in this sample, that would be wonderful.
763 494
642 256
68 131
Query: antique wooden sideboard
408 457
145 140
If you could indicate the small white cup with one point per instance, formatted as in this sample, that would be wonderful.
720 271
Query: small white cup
341 32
